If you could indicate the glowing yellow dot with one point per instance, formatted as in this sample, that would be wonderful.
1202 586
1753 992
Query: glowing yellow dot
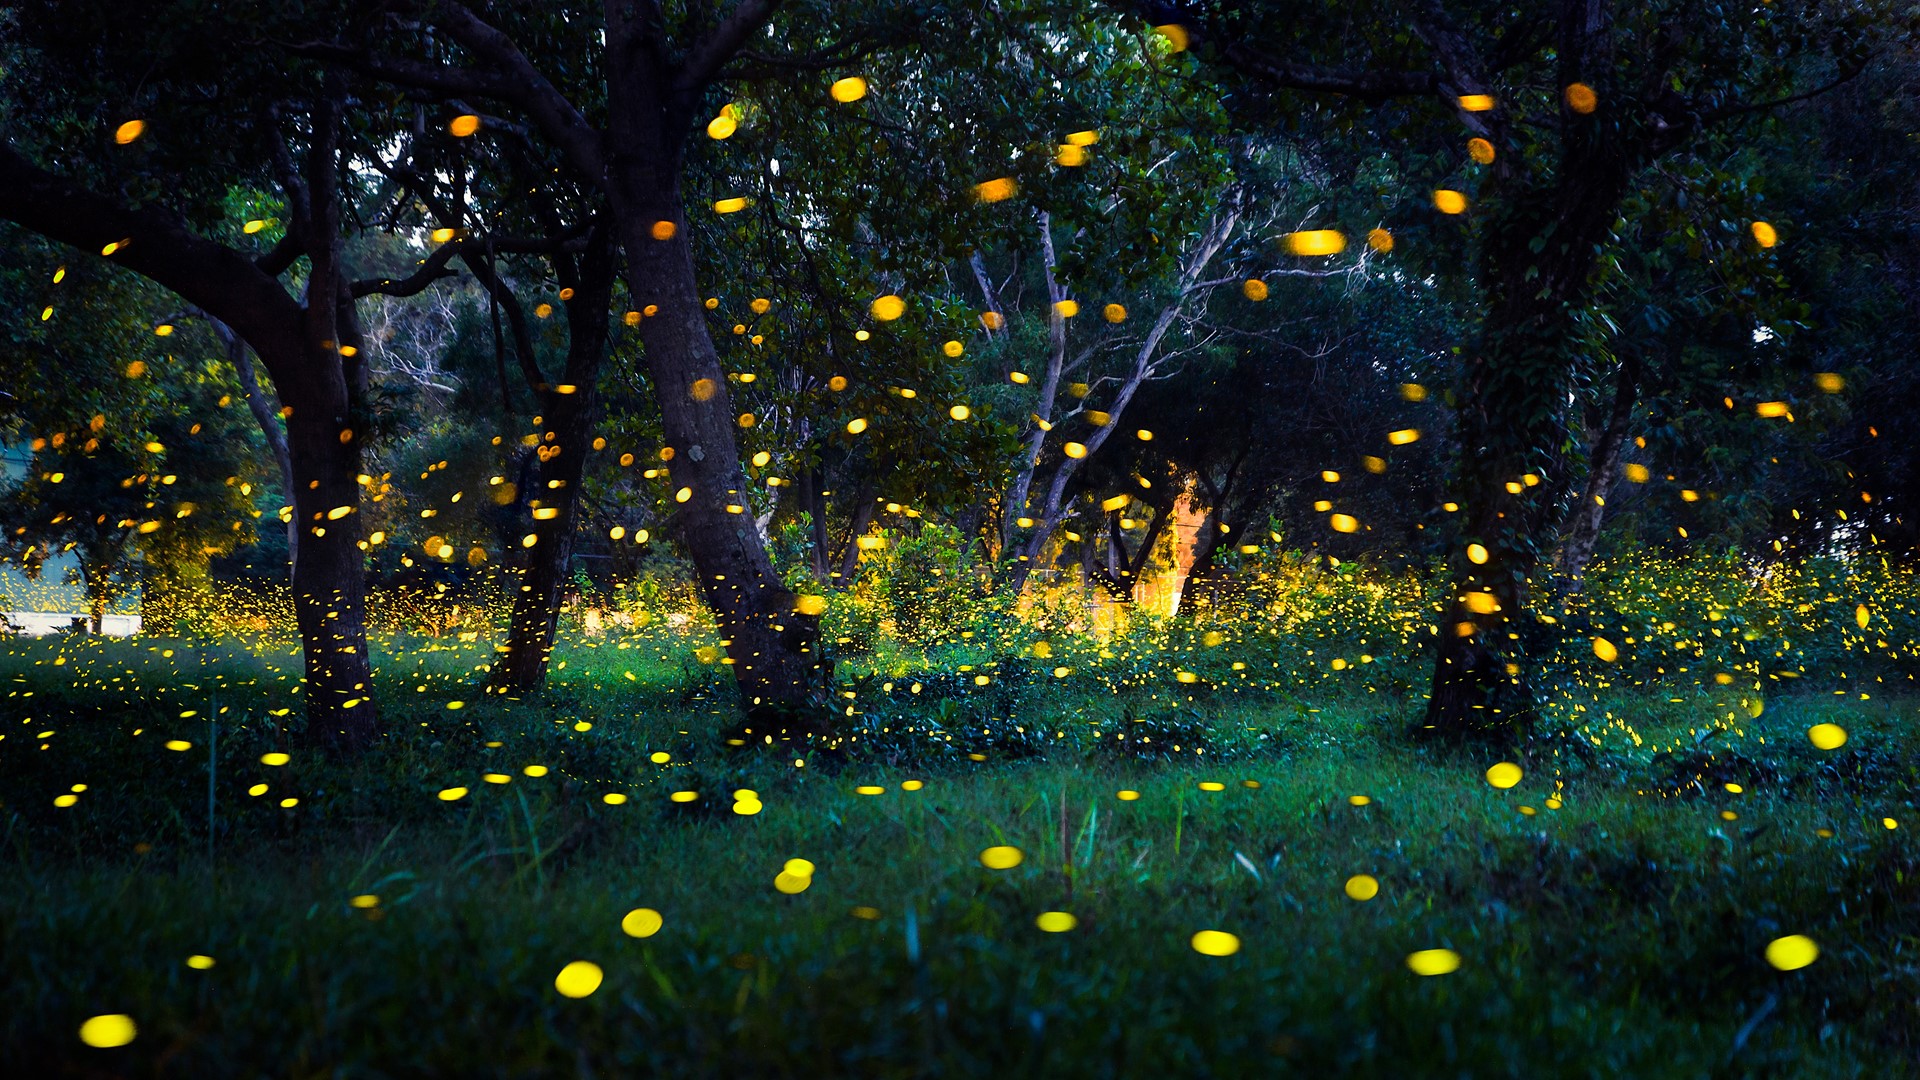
199 962
888 308
275 758
1433 961
1056 922
1480 150
1764 234
849 89
123 135
1254 289
1504 775
1127 795
114 1029
790 884
453 794
996 190
1605 650
642 923
1476 553
729 206
1215 943
1827 736
1358 800
1476 102
1581 98
953 348
869 789
1793 952
578 979
1002 858
179 744
664 230
1448 201
1314 242
1362 887
1380 240
1344 523
722 126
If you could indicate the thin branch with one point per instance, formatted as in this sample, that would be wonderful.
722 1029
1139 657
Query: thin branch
433 268
723 43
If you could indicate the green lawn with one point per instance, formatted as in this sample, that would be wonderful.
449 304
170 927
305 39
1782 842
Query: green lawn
1622 933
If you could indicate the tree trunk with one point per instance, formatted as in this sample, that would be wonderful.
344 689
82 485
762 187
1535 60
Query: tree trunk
816 504
268 418
1511 425
96 610
772 648
1603 469
568 419
326 390
856 528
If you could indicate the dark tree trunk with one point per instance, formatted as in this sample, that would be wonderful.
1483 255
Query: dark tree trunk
1603 470
772 647
312 353
816 504
96 610
1203 588
326 389
856 528
1511 424
568 420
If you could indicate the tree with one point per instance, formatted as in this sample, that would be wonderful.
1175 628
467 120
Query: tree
138 464
1568 108
150 150
617 93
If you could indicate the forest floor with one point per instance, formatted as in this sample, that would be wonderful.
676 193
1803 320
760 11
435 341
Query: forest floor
1611 912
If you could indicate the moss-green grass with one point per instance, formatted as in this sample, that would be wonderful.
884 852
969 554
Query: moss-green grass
1622 934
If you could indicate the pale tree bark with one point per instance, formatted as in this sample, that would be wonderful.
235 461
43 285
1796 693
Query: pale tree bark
1146 362
1603 471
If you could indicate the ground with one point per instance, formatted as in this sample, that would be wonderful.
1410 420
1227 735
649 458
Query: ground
1611 912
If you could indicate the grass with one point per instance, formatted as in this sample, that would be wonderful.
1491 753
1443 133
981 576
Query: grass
1622 933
